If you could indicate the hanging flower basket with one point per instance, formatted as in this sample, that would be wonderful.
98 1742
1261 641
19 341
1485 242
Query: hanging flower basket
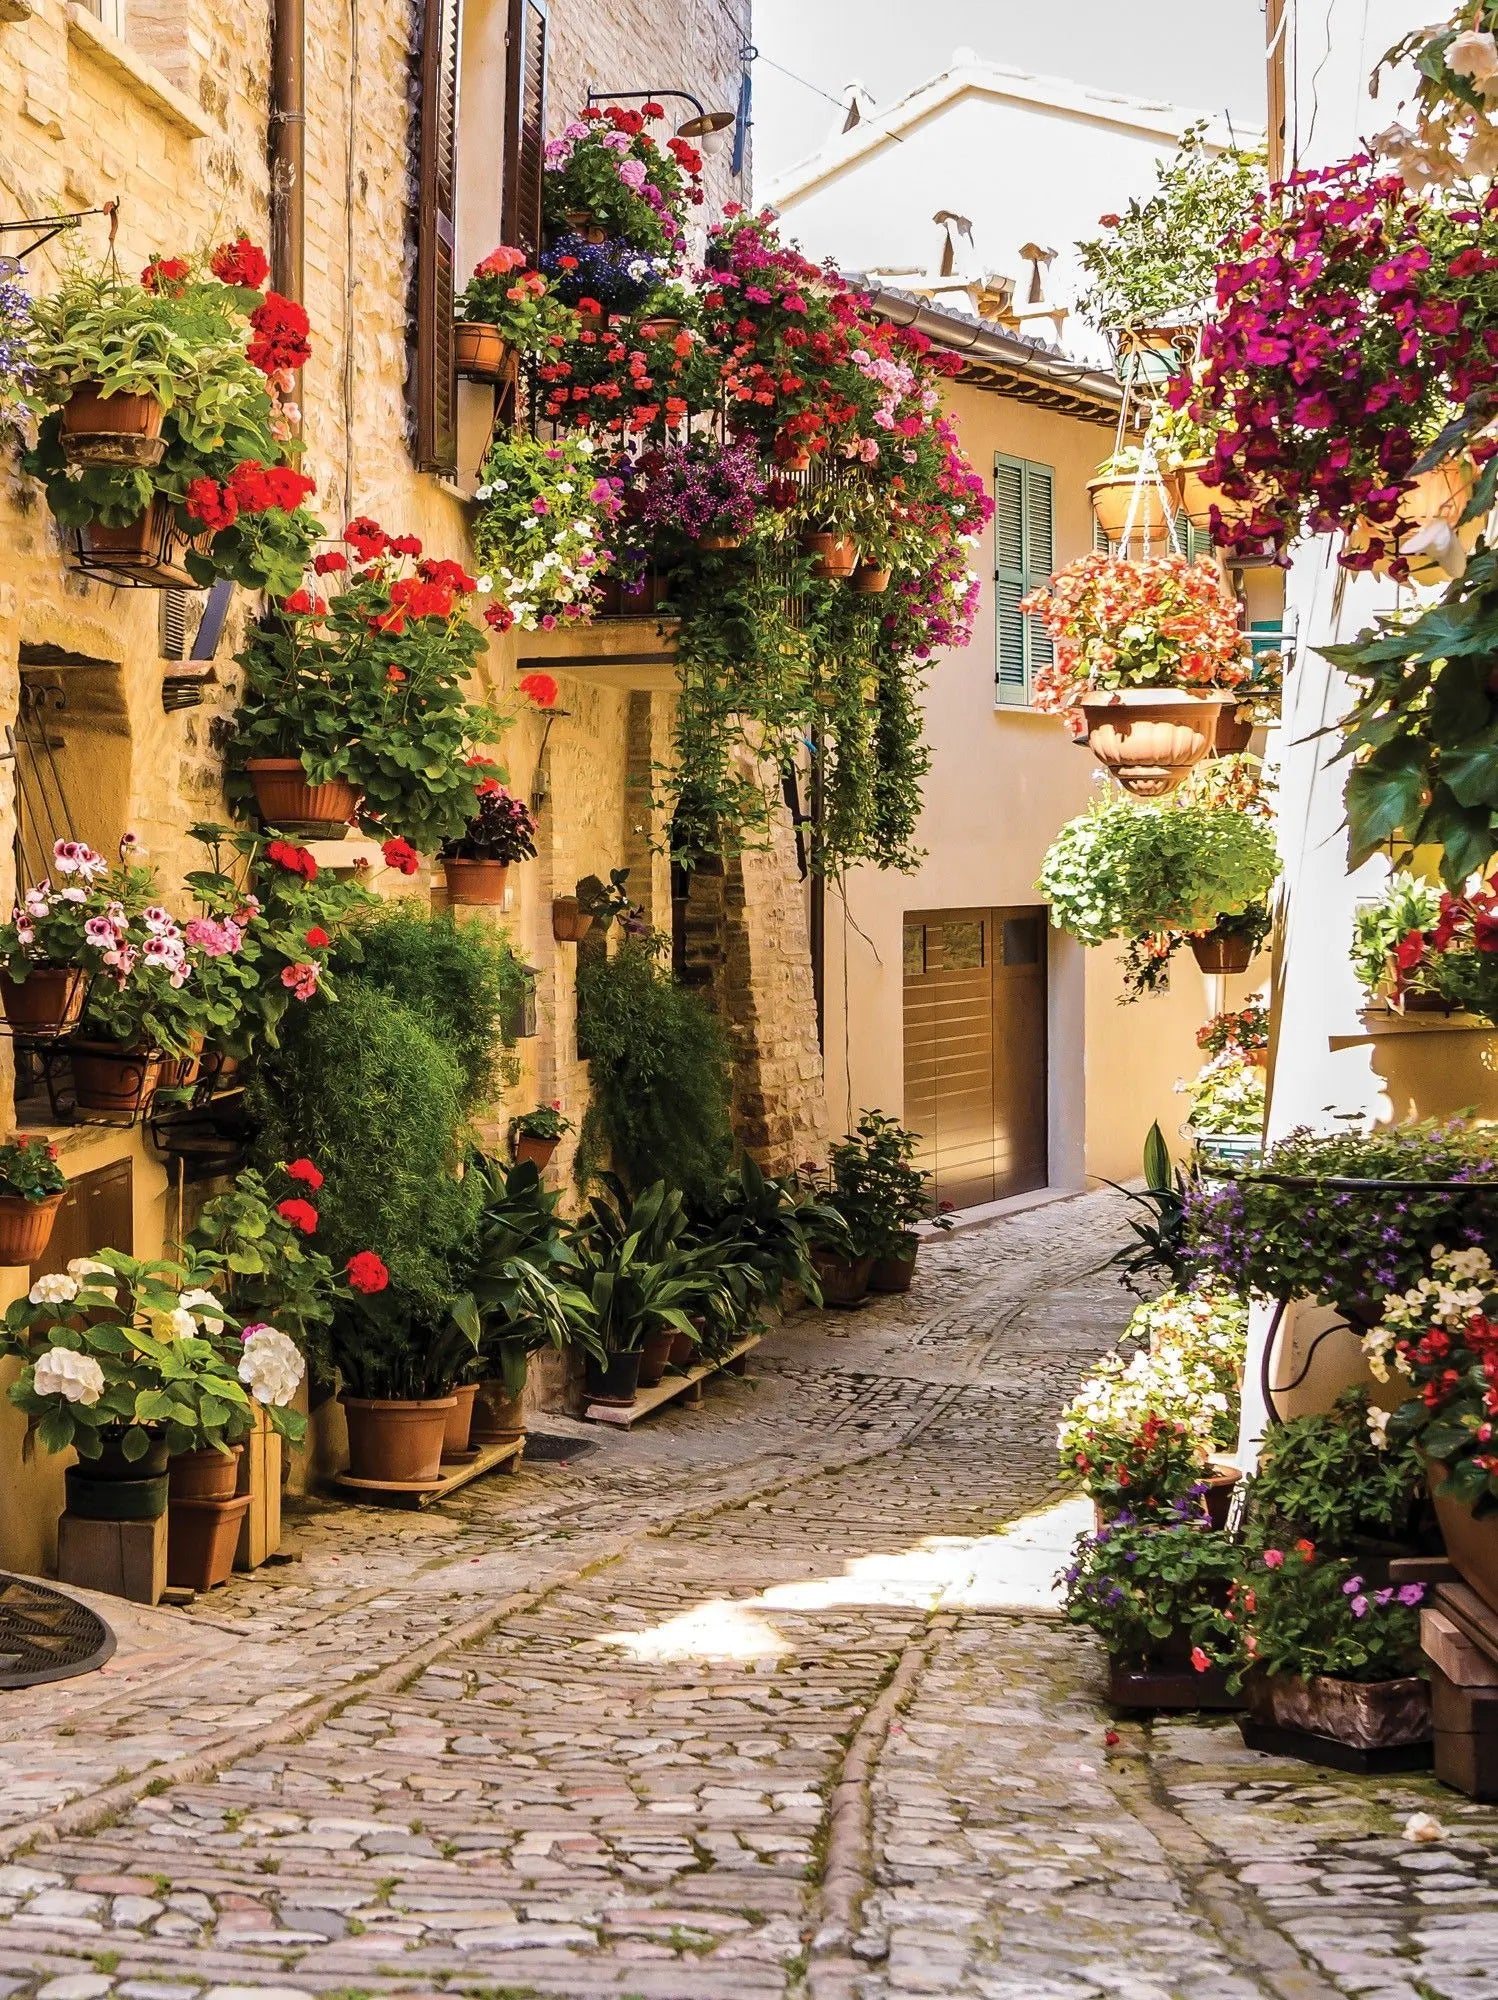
26 1227
1198 499
869 581
1141 508
146 553
284 798
113 1080
119 430
475 882
1149 740
1223 954
48 1001
834 556
1434 500
569 922
482 353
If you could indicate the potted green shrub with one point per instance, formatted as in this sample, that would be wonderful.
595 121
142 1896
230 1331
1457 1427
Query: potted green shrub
400 1364
355 705
1158 1595
1389 947
641 1288
882 1195
477 862
1328 1655
1338 1480
167 447
32 1185
535 1135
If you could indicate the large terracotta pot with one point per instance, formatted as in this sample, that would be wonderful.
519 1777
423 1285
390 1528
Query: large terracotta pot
393 1441
205 1475
655 1352
894 1273
458 1429
537 1151
475 881
1369 1715
613 1380
201 1537
1149 740
48 1001
1222 954
844 1280
835 556
284 799
481 351
1471 1540
1117 496
498 1417
111 1079
26 1227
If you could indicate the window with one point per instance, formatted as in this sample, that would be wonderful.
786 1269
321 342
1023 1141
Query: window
1025 552
525 124
434 388
109 14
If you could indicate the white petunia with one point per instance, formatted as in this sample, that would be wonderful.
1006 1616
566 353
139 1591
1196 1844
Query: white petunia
77 1378
55 1289
271 1367
485 585
1378 1427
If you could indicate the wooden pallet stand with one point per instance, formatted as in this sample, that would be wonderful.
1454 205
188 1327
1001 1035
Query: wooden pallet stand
1460 1636
688 1383
455 1473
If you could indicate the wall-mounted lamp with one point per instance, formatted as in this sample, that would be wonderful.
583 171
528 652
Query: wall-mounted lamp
702 126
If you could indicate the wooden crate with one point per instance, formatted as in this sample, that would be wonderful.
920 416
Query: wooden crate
124 1558
260 1477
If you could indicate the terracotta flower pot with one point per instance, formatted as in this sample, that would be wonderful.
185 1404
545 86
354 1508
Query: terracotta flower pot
147 550
48 1001
869 581
90 410
474 882
660 329
395 1441
613 1380
179 1072
1222 954
720 541
1149 740
285 799
498 1417
894 1274
590 319
481 350
1116 497
796 461
537 1151
1369 1715
201 1537
835 556
1471 1542
844 1280
569 923
26 1227
683 1350
205 1475
112 1079
655 1352
459 1426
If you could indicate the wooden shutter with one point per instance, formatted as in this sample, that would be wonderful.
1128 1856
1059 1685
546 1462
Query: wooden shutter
525 125
435 386
1025 555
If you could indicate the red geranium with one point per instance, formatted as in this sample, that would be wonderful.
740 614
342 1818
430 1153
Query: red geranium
305 1172
366 538
280 340
367 1272
240 263
330 562
316 938
300 1214
402 855
164 274
295 860
539 688
214 505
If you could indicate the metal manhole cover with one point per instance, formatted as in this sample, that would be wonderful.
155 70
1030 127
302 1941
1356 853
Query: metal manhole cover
45 1636
542 1445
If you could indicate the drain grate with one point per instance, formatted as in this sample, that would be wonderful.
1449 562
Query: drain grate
45 1636
543 1445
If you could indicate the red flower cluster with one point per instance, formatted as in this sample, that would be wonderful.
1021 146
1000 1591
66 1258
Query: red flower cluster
251 488
317 938
166 274
295 860
400 854
300 1214
280 335
539 688
367 1272
240 263
304 1171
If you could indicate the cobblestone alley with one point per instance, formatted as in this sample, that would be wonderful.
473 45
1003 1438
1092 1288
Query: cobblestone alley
765 1699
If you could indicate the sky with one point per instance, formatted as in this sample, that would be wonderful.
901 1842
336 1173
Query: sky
1206 57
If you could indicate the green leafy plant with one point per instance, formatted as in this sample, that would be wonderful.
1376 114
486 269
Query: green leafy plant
1336 1480
769 1224
120 1350
1157 263
1160 1248
1125 869
1226 1096
369 685
636 1271
1304 1615
29 1169
502 293
1380 928
264 1264
1441 1333
1156 1590
545 1122
659 1065
873 1185
524 1273
1347 1247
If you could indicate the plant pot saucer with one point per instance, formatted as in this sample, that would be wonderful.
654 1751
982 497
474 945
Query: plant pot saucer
112 448
460 1457
394 1485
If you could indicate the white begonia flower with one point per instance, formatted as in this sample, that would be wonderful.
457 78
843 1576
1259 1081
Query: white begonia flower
482 492
1378 1426
271 1367
92 1275
56 1289
206 1307
1473 54
77 1378
485 585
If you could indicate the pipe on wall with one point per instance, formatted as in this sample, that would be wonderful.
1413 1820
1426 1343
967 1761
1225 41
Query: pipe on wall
288 145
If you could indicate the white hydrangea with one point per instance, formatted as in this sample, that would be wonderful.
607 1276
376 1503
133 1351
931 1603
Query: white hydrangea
271 1366
178 1324
92 1275
206 1307
56 1289
77 1378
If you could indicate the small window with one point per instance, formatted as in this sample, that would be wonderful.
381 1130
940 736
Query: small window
1025 557
962 947
1022 940
915 950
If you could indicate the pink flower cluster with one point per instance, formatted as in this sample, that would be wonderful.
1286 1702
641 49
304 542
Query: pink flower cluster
1352 321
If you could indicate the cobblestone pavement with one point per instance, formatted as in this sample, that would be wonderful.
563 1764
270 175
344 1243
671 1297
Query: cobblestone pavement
762 1702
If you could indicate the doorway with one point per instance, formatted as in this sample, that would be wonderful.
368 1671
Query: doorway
975 1050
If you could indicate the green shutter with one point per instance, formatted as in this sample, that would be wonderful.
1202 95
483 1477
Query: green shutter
1025 556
